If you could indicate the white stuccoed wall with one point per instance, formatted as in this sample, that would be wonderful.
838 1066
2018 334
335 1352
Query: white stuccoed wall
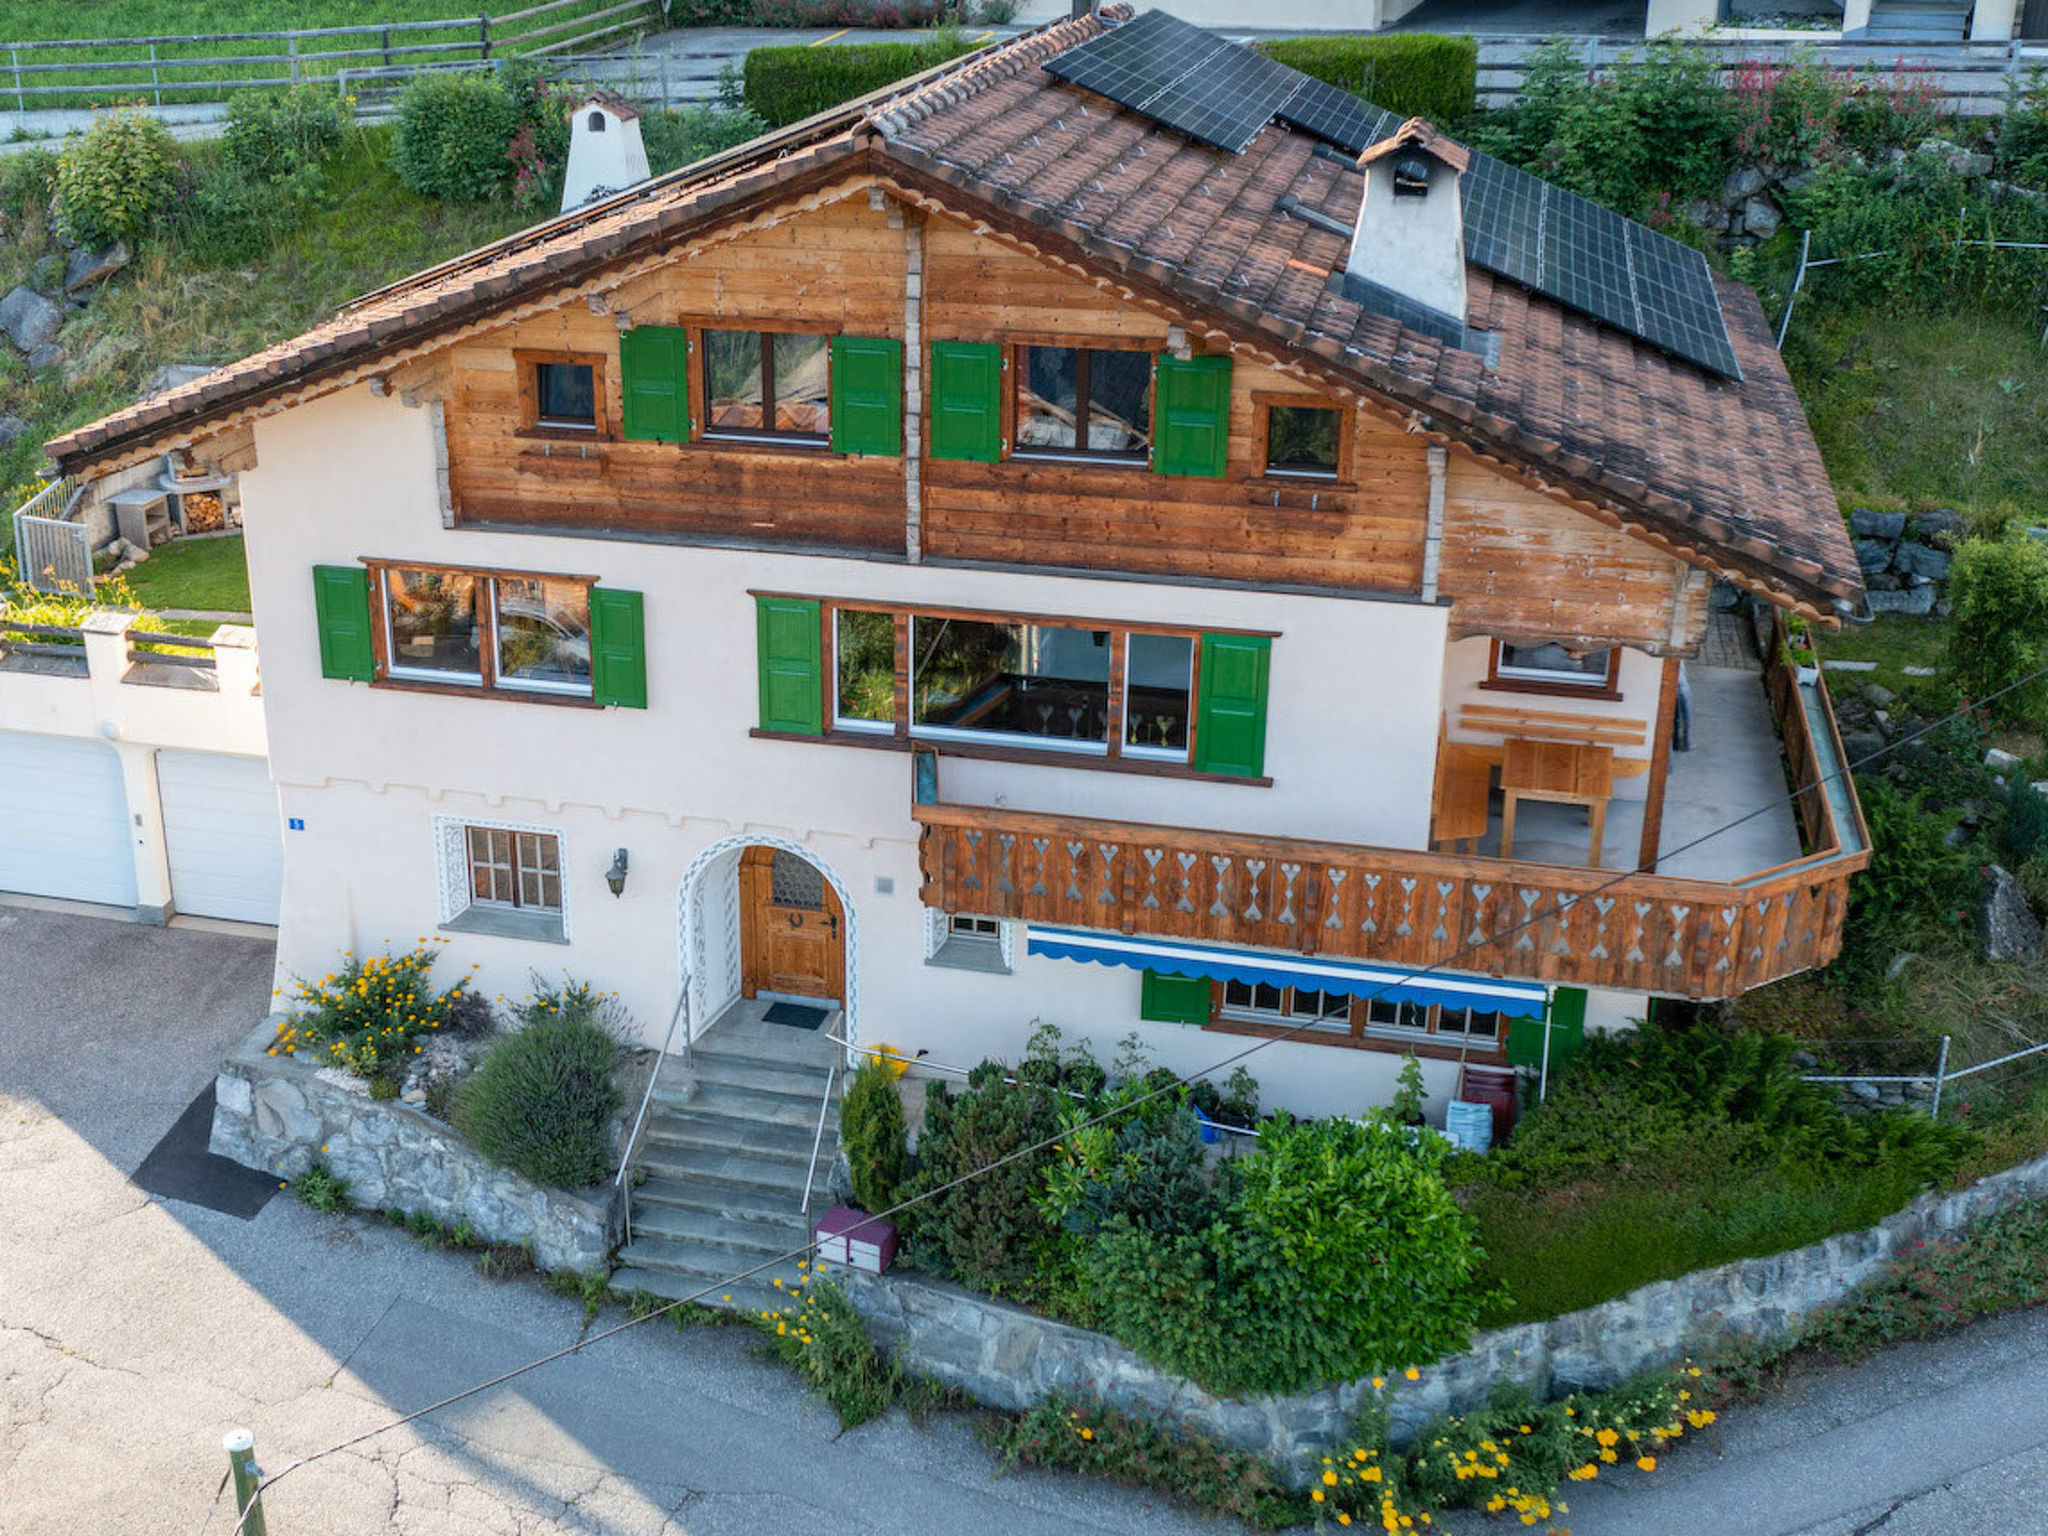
1355 698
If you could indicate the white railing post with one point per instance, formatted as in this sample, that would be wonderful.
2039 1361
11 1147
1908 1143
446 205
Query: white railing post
234 660
1940 1075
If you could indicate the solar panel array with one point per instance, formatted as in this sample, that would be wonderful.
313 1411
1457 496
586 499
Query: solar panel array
1516 225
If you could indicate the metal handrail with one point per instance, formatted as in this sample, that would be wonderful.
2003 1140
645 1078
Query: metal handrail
621 1180
818 1140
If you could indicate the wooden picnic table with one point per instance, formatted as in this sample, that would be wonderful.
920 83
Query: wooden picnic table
1567 773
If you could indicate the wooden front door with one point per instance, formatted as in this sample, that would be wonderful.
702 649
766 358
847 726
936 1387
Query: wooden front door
792 929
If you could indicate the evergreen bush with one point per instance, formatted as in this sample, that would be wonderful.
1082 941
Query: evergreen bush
989 1231
277 137
786 85
117 181
871 1131
542 1100
455 135
1410 74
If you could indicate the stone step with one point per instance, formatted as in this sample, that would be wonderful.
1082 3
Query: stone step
737 1070
780 1143
727 1102
712 1197
748 1300
754 1240
691 1267
718 1168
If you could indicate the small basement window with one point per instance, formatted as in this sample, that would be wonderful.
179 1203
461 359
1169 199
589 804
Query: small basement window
967 943
561 394
1302 440
1554 669
502 880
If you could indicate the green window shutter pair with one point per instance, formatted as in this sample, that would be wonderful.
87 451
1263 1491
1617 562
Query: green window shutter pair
618 648
1169 999
867 395
1566 1025
1190 415
1230 705
654 381
967 401
790 632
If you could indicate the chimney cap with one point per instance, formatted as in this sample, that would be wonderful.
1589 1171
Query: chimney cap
1419 133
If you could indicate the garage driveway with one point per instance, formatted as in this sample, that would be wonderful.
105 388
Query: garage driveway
135 1331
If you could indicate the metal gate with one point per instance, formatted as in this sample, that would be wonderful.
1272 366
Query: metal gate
52 555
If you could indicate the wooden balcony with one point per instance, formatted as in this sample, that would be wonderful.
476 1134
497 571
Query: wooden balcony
1684 937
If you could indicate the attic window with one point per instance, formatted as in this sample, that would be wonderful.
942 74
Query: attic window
596 123
1411 176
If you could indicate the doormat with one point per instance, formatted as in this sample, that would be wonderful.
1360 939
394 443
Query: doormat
180 1168
796 1015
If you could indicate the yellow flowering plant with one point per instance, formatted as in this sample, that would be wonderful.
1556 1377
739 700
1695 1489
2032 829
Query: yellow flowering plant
816 1329
368 1015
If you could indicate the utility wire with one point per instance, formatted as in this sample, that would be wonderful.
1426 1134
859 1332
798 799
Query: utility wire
1790 797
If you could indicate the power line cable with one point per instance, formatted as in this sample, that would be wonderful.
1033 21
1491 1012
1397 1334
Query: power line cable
1789 798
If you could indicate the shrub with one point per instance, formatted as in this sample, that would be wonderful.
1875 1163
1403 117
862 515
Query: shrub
117 181
989 1230
1147 1170
871 1131
542 1100
281 137
2000 592
1789 114
1915 883
786 85
2023 135
366 1017
322 1188
820 1333
1410 74
2025 827
454 134
1286 1290
28 181
688 134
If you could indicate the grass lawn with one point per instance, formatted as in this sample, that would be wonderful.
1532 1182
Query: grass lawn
194 573
1893 641
1917 409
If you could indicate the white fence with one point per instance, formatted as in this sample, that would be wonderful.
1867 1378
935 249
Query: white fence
51 553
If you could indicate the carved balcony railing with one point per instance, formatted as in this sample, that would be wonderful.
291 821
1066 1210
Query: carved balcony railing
1674 936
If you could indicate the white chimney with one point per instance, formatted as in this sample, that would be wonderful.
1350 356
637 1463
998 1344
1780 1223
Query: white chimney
605 152
1411 227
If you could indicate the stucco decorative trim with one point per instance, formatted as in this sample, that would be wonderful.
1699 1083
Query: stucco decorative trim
692 932
451 859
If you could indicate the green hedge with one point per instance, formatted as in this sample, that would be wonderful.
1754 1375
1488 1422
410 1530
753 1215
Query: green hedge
788 84
1411 74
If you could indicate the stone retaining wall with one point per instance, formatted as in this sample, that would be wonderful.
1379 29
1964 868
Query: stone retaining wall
280 1114
1011 1359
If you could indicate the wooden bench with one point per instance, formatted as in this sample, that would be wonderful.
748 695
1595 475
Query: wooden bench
1458 809
1506 721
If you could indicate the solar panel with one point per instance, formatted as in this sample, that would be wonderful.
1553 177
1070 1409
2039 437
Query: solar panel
1516 225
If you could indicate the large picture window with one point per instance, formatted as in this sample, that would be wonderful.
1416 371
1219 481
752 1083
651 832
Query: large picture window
1090 402
524 634
1045 683
864 643
767 384
1337 1016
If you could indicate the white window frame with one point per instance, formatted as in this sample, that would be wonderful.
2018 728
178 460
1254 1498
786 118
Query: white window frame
451 847
843 722
1158 754
393 668
489 678
994 953
1592 682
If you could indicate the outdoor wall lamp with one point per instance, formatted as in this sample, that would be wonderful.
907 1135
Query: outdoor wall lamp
615 877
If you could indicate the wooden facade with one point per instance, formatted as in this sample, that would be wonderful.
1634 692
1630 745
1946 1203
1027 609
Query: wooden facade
1513 560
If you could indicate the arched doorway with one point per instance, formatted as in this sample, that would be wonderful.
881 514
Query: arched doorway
766 915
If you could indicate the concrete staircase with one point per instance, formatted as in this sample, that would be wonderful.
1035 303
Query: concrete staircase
722 1163
1916 21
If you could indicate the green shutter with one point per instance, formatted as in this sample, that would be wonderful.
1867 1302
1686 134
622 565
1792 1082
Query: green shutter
618 648
867 395
1191 415
1166 999
967 401
1567 1026
792 671
654 378
341 604
1230 705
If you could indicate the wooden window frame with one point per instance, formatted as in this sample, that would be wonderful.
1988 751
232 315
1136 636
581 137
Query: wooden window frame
898 735
488 684
1015 352
1361 1035
760 437
1610 689
515 870
1263 401
527 362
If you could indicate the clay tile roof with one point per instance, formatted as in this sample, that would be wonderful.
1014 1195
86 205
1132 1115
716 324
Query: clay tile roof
1424 135
612 102
1724 470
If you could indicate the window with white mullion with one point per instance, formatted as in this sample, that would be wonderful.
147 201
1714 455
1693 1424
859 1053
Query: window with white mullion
522 870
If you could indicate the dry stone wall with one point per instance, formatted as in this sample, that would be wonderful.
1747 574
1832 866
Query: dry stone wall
1011 1359
275 1113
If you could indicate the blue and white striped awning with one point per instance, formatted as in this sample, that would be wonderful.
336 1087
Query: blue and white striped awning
1178 957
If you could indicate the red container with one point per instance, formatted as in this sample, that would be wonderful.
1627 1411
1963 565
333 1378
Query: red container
1499 1089
856 1240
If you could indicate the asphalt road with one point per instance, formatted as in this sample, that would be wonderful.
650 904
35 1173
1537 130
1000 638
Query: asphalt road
134 1331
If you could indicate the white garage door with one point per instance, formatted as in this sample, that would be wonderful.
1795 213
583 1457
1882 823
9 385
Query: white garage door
220 830
64 820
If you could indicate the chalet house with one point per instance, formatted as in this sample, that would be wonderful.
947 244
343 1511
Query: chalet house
1046 543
